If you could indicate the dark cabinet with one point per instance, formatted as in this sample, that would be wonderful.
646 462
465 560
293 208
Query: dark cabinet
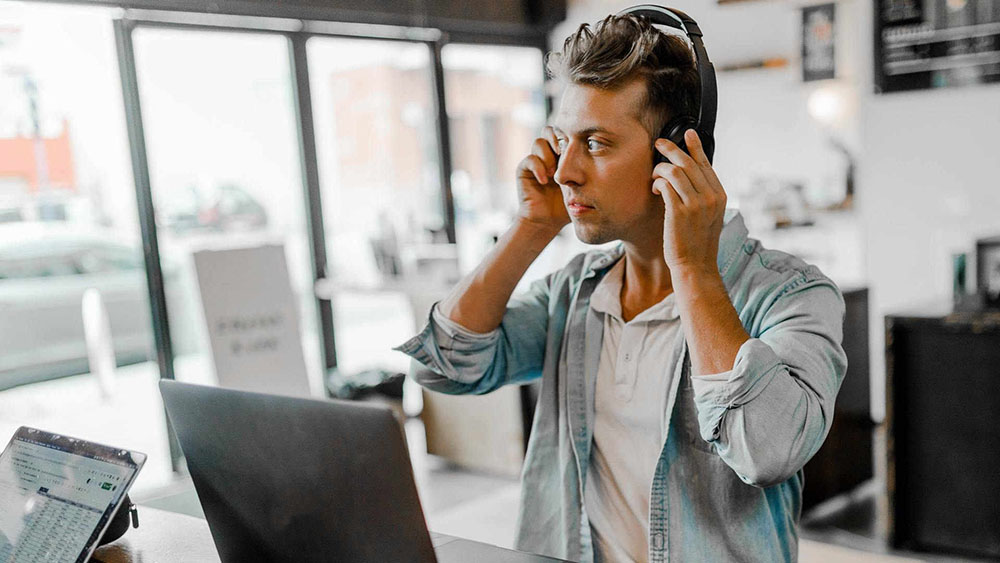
845 459
943 432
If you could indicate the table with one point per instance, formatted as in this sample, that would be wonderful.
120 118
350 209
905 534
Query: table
162 537
168 537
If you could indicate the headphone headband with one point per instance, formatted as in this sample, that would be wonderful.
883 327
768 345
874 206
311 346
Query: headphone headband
707 107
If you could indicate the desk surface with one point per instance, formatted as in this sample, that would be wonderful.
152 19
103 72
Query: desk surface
169 537
164 537
161 537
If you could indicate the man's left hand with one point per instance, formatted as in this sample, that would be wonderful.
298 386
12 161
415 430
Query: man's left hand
695 204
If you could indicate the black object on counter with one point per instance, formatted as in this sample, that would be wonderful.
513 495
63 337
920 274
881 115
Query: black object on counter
127 513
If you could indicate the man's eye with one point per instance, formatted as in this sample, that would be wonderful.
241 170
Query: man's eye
561 143
594 144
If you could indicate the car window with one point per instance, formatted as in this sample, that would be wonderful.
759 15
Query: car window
11 216
57 256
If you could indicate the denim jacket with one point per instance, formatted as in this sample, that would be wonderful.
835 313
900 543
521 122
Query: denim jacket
728 482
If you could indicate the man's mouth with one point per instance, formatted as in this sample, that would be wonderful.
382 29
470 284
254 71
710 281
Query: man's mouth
576 208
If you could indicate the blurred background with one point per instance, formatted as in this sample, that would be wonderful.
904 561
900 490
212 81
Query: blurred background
376 145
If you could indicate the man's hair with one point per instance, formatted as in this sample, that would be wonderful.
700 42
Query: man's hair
622 48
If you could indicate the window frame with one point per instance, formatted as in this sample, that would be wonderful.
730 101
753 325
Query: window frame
297 32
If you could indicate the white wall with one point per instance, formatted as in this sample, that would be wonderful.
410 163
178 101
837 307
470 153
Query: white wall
931 179
928 178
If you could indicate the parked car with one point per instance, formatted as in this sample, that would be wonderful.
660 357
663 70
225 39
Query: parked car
226 208
44 270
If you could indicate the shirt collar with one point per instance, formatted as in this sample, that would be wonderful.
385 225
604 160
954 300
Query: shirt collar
607 295
607 298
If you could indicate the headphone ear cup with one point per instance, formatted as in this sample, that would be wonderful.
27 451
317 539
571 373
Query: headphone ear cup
674 132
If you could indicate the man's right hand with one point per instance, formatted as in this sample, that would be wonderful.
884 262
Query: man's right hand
480 299
541 200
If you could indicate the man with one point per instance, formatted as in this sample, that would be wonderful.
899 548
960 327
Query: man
688 374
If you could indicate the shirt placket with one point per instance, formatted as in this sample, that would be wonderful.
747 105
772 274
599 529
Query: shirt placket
627 364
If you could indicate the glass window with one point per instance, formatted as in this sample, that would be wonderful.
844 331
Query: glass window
224 166
69 223
496 108
377 145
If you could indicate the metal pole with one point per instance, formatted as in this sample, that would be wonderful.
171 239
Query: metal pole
310 184
147 222
444 141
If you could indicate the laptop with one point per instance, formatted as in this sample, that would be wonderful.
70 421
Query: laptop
289 479
58 495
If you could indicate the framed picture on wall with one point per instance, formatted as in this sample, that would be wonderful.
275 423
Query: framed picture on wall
818 60
988 270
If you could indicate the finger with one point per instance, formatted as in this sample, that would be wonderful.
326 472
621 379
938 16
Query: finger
665 169
680 158
533 166
697 150
678 181
662 188
549 134
542 150
717 189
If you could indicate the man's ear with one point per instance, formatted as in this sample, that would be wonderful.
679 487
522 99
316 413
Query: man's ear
653 153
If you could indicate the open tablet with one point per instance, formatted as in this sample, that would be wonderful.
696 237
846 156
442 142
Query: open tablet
58 495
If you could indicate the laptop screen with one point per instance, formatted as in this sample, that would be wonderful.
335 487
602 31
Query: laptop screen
58 494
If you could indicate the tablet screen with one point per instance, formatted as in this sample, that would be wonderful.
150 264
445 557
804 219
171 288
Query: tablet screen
58 494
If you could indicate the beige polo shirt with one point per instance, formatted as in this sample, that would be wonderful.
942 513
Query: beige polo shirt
633 381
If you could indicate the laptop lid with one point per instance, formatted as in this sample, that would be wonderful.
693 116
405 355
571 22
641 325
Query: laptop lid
288 479
58 494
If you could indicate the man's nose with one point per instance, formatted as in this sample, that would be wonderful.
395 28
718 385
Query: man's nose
569 170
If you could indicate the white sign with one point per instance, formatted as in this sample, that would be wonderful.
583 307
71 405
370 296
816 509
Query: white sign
252 320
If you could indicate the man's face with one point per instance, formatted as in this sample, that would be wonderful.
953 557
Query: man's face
606 163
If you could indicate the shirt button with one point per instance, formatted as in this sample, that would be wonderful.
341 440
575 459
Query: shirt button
628 357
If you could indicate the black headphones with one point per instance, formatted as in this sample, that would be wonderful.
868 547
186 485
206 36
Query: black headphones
704 123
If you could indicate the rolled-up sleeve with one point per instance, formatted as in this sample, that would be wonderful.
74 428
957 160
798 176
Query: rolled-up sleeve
450 358
772 411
